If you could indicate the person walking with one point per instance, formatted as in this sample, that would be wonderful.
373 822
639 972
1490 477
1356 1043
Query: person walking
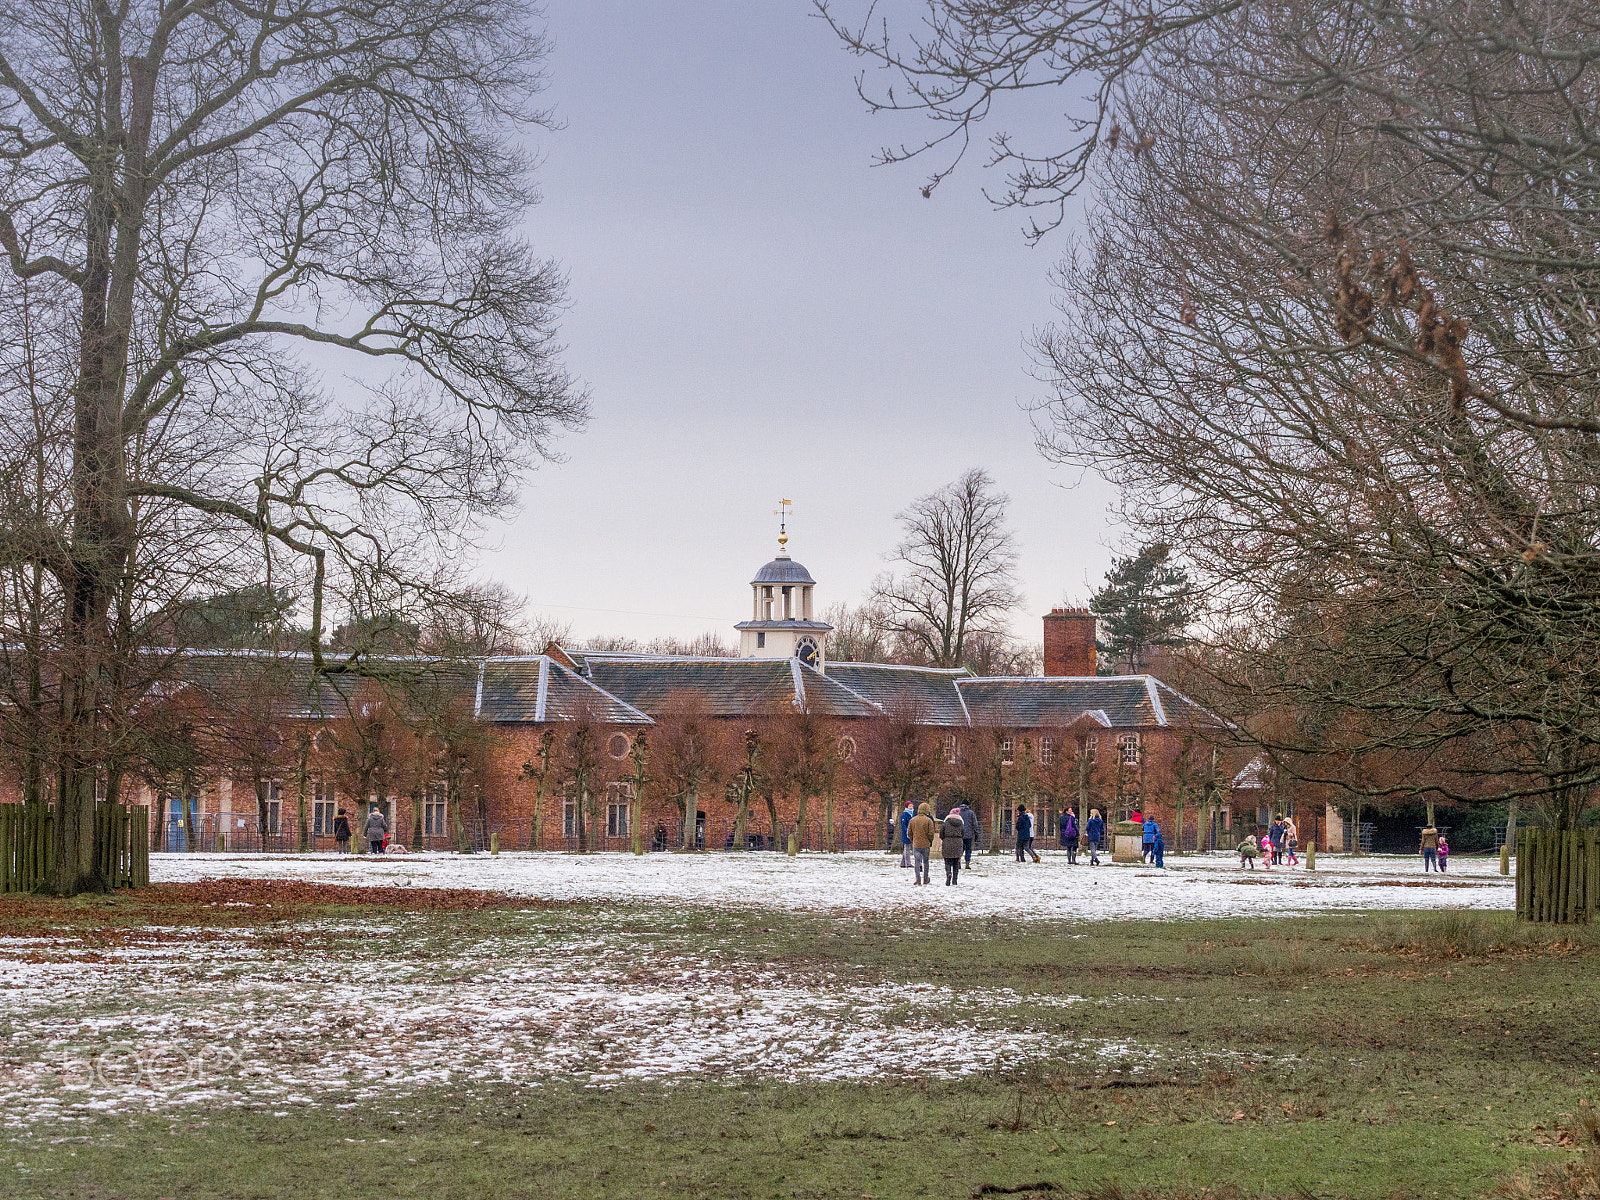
341 832
376 830
923 829
1444 853
1147 840
969 825
1275 836
1095 829
1291 841
1158 850
1069 835
1247 851
952 841
906 814
1430 848
1025 834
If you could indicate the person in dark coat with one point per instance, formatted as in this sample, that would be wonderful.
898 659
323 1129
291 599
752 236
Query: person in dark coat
1069 835
1275 836
906 814
1158 849
341 832
1025 833
952 840
1147 849
1095 829
969 824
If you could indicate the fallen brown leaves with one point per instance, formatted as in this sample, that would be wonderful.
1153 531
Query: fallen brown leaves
236 902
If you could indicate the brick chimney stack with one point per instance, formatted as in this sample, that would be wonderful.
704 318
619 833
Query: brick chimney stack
1069 642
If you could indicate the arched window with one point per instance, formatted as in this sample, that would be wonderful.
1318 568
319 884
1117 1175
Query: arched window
619 745
847 749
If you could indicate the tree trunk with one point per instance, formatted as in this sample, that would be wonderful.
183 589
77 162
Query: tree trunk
1511 825
452 800
829 842
636 824
1355 831
691 813
418 799
536 839
579 800
800 821
994 815
303 832
185 809
772 814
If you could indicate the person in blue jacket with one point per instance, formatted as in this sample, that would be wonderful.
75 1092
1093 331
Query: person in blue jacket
1025 834
1069 835
1148 848
1158 849
905 834
1095 829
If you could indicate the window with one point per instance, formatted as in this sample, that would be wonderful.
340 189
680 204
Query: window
1128 744
569 819
323 740
618 797
1005 823
618 745
847 749
324 808
1092 743
950 748
433 813
1008 750
761 641
271 795
1047 751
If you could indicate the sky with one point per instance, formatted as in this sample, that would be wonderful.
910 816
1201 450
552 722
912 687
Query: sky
761 313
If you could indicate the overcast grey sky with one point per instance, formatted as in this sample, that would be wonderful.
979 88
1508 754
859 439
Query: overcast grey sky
761 313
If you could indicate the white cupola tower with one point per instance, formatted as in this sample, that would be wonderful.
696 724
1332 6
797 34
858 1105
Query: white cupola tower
783 621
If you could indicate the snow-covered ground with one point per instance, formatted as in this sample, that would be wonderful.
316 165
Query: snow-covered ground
344 1013
1189 887
362 1013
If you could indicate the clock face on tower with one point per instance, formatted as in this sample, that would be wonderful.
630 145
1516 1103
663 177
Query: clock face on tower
806 651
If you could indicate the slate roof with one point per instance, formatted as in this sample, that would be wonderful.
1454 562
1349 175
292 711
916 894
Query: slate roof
783 570
537 688
728 686
929 692
1127 701
234 673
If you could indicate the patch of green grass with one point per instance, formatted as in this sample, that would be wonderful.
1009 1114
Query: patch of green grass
1356 1055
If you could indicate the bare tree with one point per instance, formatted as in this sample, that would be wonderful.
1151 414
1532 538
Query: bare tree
689 751
898 758
211 189
1330 333
957 573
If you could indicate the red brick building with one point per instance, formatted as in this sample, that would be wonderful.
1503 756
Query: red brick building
529 748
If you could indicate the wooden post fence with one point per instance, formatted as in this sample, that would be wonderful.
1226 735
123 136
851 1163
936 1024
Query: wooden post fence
121 841
1558 875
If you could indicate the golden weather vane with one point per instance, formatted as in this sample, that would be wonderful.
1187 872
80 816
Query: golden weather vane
783 512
